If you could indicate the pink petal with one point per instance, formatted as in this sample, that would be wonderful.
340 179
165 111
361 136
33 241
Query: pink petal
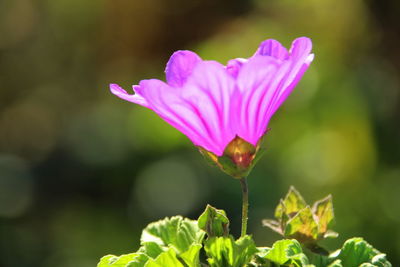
234 65
301 59
272 48
121 93
201 109
259 82
180 66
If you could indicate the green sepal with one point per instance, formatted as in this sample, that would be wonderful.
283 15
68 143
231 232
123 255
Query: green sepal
238 159
214 222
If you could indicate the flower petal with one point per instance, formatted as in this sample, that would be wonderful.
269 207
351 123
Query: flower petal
272 48
301 59
180 66
210 91
121 93
234 65
259 82
201 109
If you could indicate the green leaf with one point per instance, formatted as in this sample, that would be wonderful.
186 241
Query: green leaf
286 252
191 256
214 222
293 202
356 251
323 209
173 232
302 226
380 261
165 259
280 209
131 260
151 249
226 252
336 263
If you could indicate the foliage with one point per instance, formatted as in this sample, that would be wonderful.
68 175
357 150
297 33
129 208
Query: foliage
295 219
180 242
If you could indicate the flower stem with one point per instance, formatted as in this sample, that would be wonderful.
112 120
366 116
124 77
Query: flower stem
245 205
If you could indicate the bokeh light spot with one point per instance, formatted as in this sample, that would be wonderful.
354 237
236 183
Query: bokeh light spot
167 187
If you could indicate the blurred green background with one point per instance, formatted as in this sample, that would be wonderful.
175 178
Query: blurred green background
82 172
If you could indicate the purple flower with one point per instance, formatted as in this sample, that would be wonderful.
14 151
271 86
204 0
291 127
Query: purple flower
213 104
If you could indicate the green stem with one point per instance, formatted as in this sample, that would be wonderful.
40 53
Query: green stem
245 205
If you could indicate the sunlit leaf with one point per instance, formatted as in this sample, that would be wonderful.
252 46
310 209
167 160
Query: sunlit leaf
131 260
226 252
176 232
151 249
286 252
336 263
280 209
356 251
191 256
165 259
323 209
293 202
214 222
302 226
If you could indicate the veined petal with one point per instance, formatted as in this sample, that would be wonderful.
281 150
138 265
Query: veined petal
259 82
167 102
121 93
300 59
234 65
180 66
272 48
209 91
201 109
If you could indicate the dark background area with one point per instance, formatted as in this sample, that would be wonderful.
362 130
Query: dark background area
82 172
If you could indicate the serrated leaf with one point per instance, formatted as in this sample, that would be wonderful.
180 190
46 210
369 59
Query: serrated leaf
151 249
323 209
246 248
278 252
176 232
125 260
226 252
286 252
280 209
380 261
214 222
293 202
191 256
357 251
165 259
302 226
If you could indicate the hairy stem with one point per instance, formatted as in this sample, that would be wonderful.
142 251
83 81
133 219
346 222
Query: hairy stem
245 205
